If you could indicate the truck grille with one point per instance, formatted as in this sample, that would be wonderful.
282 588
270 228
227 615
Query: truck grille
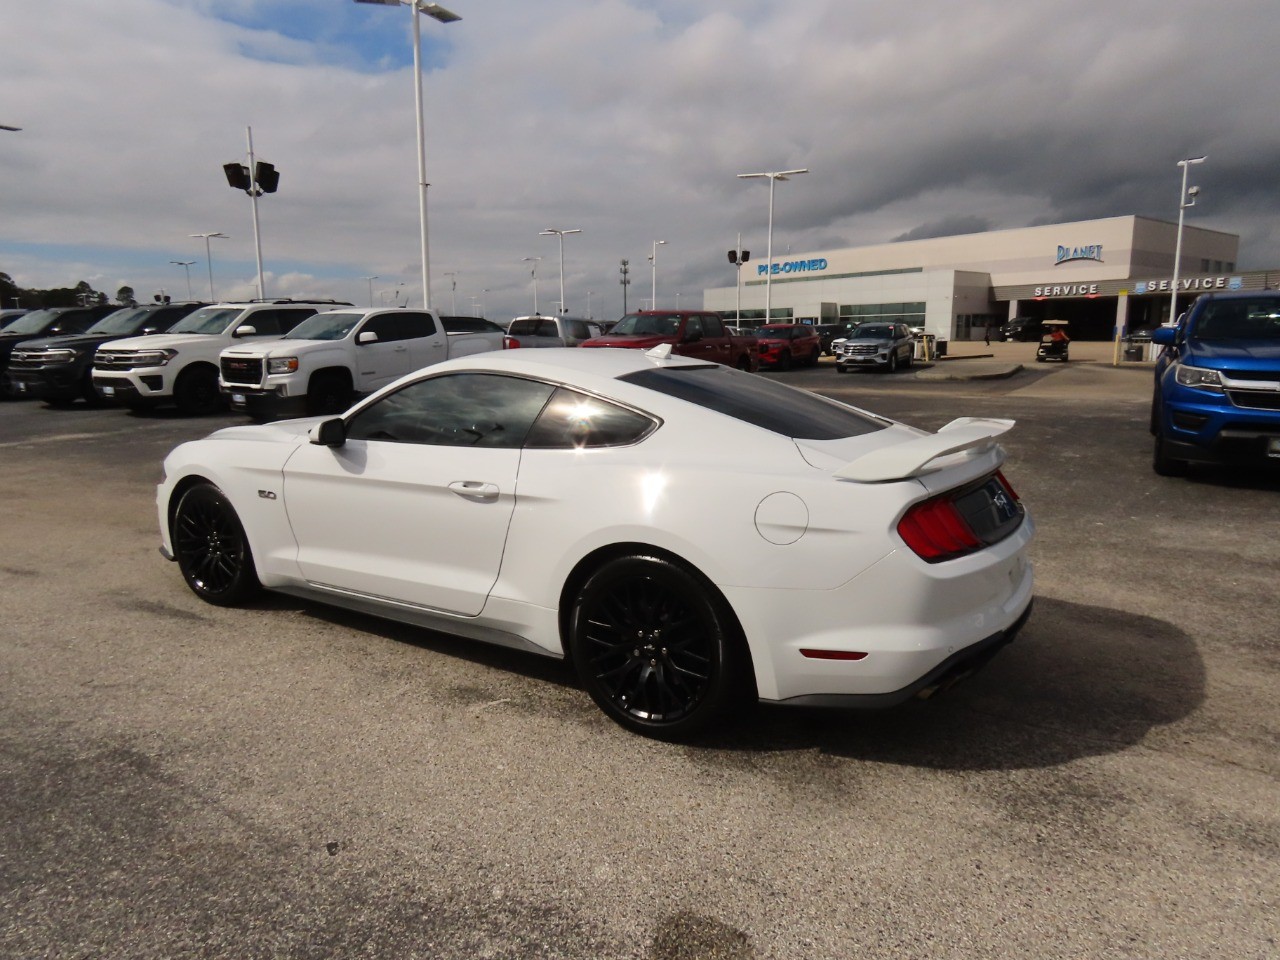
32 359
860 349
245 370
1255 399
115 360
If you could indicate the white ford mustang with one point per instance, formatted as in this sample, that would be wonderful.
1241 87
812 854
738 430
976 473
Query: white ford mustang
686 533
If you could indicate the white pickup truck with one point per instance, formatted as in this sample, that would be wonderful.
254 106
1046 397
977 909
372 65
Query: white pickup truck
322 364
181 365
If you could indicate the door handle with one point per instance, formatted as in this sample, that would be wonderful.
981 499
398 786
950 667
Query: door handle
475 490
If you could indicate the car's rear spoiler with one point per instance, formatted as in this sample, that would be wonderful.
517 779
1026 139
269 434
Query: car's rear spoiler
910 458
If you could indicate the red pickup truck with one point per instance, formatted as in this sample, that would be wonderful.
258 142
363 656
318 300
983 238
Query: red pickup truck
692 333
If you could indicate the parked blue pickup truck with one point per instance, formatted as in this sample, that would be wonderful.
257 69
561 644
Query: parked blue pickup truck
1217 390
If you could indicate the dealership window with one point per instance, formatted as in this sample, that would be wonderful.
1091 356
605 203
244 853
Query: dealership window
1204 266
911 313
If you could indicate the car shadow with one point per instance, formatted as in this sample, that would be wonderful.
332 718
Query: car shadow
1078 681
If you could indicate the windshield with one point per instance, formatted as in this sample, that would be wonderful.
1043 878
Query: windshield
122 321
210 320
324 326
647 324
1252 319
32 322
868 332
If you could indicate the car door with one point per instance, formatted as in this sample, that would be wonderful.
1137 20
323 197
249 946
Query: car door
382 353
427 343
414 507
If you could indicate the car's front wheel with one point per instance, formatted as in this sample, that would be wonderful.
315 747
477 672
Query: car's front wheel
1162 463
654 645
211 548
196 391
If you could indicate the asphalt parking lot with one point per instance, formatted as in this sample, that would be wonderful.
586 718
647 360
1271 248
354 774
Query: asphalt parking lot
288 781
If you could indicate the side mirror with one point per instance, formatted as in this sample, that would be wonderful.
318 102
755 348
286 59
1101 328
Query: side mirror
366 336
1165 336
246 330
148 331
329 433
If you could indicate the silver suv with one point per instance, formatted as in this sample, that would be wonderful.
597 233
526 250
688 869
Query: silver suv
884 346
538 331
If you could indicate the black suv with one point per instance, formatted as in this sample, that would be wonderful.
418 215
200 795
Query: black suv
59 369
50 322
1021 328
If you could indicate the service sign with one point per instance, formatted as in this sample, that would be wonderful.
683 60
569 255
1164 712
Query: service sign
1189 284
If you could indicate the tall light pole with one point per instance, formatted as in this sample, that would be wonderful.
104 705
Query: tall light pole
185 265
738 256
653 261
588 304
208 256
370 279
625 279
1187 198
553 232
534 274
453 291
774 176
440 14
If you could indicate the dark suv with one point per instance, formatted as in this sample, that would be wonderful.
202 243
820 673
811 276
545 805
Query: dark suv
1021 328
50 322
59 369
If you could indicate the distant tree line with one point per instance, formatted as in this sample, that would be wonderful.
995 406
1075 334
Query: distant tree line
12 295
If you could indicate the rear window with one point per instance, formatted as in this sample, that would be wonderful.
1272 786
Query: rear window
758 401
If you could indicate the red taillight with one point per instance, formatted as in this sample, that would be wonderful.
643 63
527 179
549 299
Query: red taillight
510 343
935 530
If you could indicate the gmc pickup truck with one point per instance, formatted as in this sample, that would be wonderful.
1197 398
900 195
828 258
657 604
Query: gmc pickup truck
1217 389
691 333
322 364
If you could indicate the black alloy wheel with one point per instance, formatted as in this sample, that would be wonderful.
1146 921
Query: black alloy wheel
196 391
211 548
892 365
653 645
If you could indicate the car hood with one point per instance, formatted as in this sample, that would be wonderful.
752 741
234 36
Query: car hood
637 342
1223 354
162 341
70 340
281 431
274 348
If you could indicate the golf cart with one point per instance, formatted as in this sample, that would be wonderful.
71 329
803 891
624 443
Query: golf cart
1054 344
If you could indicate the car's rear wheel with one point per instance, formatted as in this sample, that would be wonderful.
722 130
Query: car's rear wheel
654 645
211 548
196 391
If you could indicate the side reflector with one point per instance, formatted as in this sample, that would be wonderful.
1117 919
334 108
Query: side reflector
832 654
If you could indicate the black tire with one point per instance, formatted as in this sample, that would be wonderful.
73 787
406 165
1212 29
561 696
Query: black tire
892 365
654 645
840 369
784 360
196 392
328 393
814 358
211 548
744 363
1162 463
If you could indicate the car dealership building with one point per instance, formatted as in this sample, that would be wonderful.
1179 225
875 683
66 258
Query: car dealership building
1100 275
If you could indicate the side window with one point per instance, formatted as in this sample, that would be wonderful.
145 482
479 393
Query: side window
386 326
414 325
288 319
572 420
712 327
692 325
455 410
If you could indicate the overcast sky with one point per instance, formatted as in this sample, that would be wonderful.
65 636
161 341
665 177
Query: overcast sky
628 119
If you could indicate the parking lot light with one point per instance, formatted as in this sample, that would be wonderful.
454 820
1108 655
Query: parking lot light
1187 198
208 257
773 176
553 232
